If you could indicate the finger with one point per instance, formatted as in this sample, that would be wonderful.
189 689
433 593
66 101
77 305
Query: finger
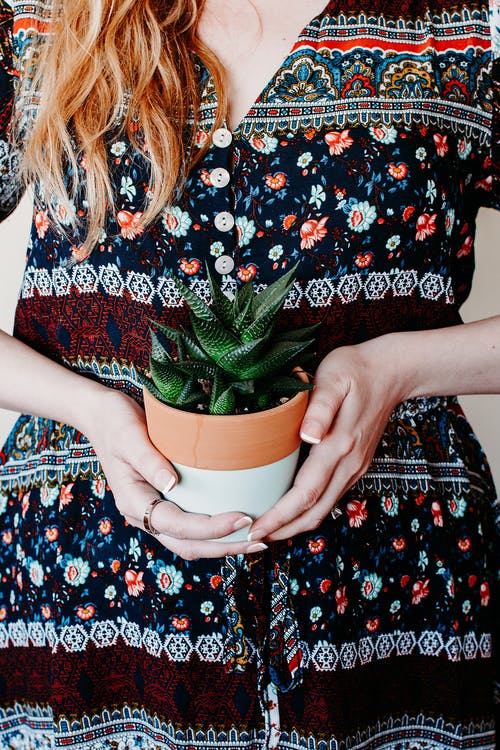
192 549
167 518
155 468
324 404
309 485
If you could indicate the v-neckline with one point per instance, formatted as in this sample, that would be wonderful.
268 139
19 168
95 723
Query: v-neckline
235 132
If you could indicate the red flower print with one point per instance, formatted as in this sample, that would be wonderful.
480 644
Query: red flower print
312 231
133 579
485 184
65 496
420 498
404 580
201 138
408 211
472 581
276 181
399 543
41 223
25 504
341 600
325 585
316 545
426 225
131 225
356 510
190 267
484 590
363 260
46 611
115 566
247 273
338 141
7 537
3 613
51 533
215 581
205 177
437 513
420 590
85 613
441 143
466 247
181 623
464 544
397 171
258 143
310 133
105 526
288 221
372 625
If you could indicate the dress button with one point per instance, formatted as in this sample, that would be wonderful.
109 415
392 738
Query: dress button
222 137
224 264
224 221
219 177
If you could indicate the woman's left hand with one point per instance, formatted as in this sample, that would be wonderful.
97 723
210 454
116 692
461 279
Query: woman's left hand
356 390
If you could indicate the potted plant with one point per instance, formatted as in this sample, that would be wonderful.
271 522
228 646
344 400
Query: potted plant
224 401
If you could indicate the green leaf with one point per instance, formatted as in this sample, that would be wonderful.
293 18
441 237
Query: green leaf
213 337
149 384
243 293
299 334
203 370
225 404
158 350
245 387
267 297
281 354
239 359
185 343
244 318
190 394
167 379
223 306
198 307
285 385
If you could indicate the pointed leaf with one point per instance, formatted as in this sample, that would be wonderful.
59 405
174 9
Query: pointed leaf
285 385
213 337
239 359
275 290
149 384
158 350
300 334
198 307
218 388
167 379
244 318
185 343
190 394
203 370
280 355
225 404
223 306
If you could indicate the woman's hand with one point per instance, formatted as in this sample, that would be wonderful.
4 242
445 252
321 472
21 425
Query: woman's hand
356 389
137 474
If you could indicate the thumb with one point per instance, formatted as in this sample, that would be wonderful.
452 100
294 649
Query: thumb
323 407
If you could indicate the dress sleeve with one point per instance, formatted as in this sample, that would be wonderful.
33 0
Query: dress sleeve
10 184
487 184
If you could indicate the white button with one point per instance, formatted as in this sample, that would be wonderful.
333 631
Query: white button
219 177
222 137
224 264
224 221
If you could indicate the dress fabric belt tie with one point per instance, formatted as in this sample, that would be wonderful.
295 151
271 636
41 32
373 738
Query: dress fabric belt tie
266 621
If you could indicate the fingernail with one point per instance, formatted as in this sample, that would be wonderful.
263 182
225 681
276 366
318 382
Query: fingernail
260 547
253 535
166 480
308 439
242 522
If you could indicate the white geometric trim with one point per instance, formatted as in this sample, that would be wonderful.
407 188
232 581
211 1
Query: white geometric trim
325 657
318 293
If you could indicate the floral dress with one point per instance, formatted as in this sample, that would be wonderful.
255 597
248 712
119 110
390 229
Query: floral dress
366 158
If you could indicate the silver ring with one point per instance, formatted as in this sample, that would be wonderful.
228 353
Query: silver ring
147 516
335 513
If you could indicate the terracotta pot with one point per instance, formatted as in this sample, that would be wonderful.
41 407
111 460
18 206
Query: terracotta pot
242 462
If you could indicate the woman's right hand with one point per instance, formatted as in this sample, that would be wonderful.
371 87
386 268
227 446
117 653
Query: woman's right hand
137 474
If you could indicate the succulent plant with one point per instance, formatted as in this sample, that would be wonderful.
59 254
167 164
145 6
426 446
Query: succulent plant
233 360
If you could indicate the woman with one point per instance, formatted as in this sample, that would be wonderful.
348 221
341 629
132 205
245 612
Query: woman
155 147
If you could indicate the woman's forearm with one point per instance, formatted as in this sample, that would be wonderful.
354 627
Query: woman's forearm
458 360
34 384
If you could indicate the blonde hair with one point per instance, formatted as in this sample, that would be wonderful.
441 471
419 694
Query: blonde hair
123 65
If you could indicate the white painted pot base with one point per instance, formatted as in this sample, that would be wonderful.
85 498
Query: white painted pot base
250 491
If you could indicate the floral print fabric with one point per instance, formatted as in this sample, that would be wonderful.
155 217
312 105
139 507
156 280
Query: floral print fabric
365 158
